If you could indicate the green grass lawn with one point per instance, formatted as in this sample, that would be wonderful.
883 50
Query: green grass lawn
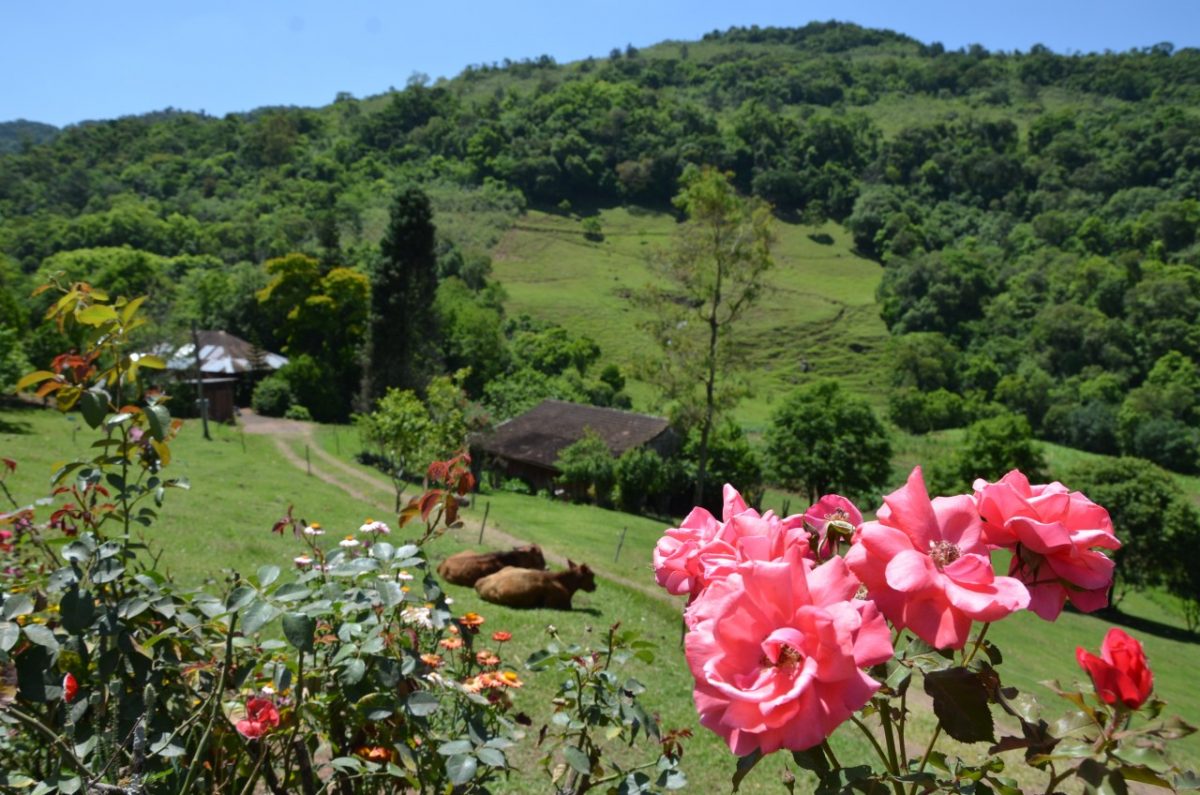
224 522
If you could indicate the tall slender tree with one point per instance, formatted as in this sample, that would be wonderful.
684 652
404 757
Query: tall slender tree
712 276
403 287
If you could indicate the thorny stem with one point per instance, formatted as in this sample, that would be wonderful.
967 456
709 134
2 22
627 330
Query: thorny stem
41 728
900 725
874 742
194 767
885 720
1056 778
978 644
925 757
825 746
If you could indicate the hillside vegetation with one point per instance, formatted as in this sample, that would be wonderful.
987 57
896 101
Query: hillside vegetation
1035 216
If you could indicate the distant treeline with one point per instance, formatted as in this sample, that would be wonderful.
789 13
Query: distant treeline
1036 213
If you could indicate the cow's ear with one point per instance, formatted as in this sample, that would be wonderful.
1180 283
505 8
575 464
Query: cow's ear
571 564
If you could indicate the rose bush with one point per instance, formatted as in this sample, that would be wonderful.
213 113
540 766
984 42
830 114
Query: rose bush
787 640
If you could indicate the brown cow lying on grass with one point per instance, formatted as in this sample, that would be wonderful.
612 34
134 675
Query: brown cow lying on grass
516 587
465 568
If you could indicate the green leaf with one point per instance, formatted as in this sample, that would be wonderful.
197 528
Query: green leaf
455 747
1099 780
461 769
377 706
97 315
42 636
9 633
960 700
239 597
93 404
77 611
813 759
299 630
107 570
17 605
353 673
744 765
267 575
257 615
159 420
151 361
291 591
421 703
492 757
36 377
578 760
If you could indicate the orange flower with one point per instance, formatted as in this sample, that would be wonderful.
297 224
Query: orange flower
432 660
511 679
450 643
500 636
471 620
375 753
486 658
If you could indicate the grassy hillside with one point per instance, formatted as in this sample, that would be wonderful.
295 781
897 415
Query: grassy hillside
223 523
816 318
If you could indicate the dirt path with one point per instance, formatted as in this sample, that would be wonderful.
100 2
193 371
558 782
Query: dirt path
378 493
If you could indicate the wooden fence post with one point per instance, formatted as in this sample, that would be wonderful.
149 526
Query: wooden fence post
486 509
620 543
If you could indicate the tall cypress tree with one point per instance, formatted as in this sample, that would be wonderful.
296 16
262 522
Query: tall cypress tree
403 285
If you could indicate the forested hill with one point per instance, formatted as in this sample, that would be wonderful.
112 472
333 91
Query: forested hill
1036 213
16 134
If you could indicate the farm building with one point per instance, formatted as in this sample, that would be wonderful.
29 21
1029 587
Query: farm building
229 368
527 446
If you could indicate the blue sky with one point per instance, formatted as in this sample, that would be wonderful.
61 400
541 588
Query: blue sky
67 61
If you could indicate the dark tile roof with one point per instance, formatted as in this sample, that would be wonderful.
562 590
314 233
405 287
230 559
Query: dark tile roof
537 436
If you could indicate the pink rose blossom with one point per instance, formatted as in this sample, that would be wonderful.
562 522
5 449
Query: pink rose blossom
702 550
925 564
832 509
1053 533
777 650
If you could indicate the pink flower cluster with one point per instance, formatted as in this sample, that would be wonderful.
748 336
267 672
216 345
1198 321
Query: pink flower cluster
777 644
781 627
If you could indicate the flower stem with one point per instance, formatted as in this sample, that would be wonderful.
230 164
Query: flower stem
978 644
874 742
925 757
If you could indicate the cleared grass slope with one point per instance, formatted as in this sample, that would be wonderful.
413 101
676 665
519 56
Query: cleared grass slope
816 318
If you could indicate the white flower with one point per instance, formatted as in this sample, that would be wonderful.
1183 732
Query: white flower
449 600
349 542
417 616
403 575
372 526
314 529
267 690
302 560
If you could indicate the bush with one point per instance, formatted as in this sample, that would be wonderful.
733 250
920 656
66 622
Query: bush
272 397
298 412
639 477
921 412
313 387
587 468
991 448
823 440
731 459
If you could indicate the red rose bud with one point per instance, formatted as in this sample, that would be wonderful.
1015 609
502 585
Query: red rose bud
70 688
1120 673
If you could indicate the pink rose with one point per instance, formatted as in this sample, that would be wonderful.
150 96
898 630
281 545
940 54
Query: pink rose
925 564
1053 534
676 555
835 510
702 550
777 649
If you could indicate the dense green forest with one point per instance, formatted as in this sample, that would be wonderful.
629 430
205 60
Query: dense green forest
1035 214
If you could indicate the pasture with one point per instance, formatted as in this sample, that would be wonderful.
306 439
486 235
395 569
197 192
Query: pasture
241 484
815 318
